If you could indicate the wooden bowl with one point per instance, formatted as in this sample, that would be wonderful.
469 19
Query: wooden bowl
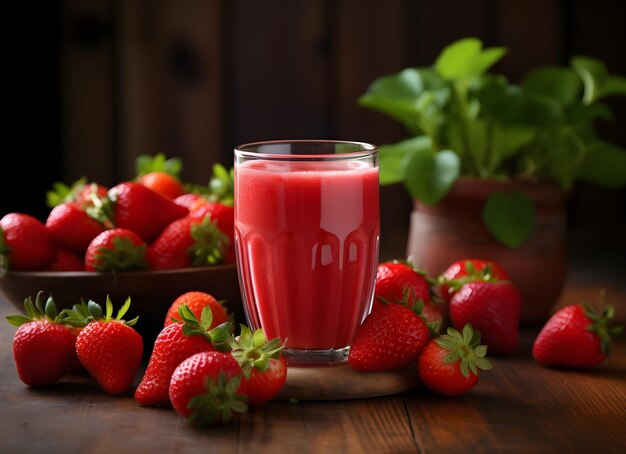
151 292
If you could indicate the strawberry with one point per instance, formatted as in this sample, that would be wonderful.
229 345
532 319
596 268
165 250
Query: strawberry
398 281
43 347
116 249
71 227
493 309
174 344
388 338
205 388
463 271
188 242
223 216
25 244
162 182
80 192
65 260
450 364
188 199
108 348
576 336
264 368
196 301
131 206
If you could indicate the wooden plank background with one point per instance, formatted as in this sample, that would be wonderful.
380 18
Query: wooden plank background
95 83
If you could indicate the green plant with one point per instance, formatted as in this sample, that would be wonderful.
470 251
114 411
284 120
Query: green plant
467 121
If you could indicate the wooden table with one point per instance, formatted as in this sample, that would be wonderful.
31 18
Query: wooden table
518 406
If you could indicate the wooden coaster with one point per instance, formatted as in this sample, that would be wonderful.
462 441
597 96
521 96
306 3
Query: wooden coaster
342 382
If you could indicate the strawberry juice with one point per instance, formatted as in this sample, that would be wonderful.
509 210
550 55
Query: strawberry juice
306 234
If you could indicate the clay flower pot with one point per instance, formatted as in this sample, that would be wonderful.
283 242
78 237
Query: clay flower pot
454 229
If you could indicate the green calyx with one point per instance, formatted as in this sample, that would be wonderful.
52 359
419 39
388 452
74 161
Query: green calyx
417 307
220 188
123 256
102 209
252 350
473 275
43 308
210 243
4 253
218 403
145 164
600 323
220 336
85 313
61 192
465 348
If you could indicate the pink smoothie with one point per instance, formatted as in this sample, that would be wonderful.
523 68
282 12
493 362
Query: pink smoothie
307 243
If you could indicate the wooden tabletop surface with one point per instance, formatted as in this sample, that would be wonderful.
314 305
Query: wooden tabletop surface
518 406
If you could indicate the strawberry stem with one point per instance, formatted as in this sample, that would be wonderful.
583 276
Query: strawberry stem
465 348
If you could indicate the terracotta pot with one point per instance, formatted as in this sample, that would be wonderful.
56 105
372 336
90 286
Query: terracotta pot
454 229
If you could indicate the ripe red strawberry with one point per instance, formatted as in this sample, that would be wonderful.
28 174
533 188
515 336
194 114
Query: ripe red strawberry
135 207
188 199
264 368
388 338
66 261
463 271
25 244
174 344
116 249
80 192
575 336
188 242
196 301
399 282
109 348
449 365
71 227
43 347
493 309
164 183
205 388
223 216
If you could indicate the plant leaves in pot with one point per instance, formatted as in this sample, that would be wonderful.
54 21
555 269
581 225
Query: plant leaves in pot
490 164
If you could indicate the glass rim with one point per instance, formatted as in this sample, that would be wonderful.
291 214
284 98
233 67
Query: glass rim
245 150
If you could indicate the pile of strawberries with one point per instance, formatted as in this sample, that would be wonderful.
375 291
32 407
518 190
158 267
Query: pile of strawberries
153 222
481 307
197 365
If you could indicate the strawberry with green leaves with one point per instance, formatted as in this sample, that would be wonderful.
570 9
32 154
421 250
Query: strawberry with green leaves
264 367
43 346
196 301
390 337
160 174
116 249
464 271
397 281
174 344
450 364
188 242
135 207
576 336
205 388
81 192
25 244
108 347
71 227
494 309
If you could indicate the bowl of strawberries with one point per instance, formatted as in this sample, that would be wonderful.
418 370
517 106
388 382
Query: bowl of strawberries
151 239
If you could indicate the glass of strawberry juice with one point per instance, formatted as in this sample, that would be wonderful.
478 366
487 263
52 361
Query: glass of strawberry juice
307 229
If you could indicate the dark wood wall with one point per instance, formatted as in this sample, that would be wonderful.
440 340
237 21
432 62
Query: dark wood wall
95 83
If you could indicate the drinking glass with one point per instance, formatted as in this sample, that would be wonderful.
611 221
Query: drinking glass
307 228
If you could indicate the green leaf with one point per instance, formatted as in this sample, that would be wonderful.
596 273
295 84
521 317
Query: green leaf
396 95
145 164
593 74
604 164
466 59
510 217
393 159
560 84
429 175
